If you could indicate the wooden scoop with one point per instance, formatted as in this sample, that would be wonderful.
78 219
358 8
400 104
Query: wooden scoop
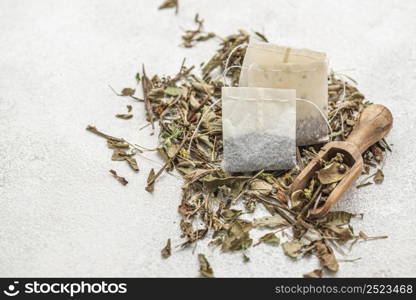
374 123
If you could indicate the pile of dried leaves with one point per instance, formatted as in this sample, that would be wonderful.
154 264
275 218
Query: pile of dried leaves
185 106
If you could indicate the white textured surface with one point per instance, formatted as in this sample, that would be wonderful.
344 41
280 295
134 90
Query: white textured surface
62 214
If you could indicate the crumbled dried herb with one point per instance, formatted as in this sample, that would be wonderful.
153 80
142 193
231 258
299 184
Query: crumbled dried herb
187 109
191 37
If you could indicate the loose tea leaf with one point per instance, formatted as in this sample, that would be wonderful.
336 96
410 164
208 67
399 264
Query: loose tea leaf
269 238
127 92
314 274
379 177
246 259
204 267
170 4
292 248
133 163
120 179
150 181
124 116
270 222
166 251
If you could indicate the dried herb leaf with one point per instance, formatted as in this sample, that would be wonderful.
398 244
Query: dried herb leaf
166 251
116 144
173 91
124 116
170 4
246 259
379 177
270 238
127 92
120 179
133 163
292 248
237 237
331 173
204 267
270 222
150 181
314 274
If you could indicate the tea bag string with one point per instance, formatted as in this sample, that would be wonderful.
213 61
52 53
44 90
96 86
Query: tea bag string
320 111
224 74
226 67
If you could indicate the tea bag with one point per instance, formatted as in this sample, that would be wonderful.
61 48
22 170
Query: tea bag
258 128
271 66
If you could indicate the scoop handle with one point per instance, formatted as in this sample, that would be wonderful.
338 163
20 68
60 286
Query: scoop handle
374 123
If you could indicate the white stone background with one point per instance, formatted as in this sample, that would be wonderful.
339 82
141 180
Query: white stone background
62 214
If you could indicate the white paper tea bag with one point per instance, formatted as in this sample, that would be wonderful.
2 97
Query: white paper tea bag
271 66
258 128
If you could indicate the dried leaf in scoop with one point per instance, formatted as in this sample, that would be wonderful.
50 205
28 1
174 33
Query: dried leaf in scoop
333 172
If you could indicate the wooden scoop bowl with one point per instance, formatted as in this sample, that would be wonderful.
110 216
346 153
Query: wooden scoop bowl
374 123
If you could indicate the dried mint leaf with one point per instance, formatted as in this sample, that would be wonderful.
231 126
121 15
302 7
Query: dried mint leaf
128 92
166 251
120 179
292 248
270 222
204 267
314 274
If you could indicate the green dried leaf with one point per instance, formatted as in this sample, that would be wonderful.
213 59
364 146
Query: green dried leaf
166 251
261 36
204 267
235 183
336 218
133 163
173 91
310 236
379 177
116 144
270 238
246 259
326 257
261 186
344 234
314 274
237 237
124 116
127 92
270 222
120 179
292 248
231 214
150 181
